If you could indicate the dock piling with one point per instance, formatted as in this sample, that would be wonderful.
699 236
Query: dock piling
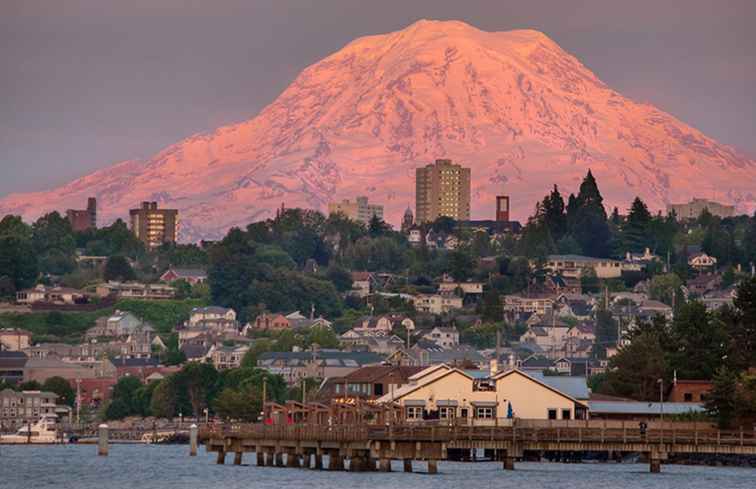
193 432
102 440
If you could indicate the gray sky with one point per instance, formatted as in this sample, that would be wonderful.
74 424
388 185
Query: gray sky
87 83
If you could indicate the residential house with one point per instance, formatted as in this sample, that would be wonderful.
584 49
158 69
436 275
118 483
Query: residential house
50 295
361 284
704 283
715 299
297 321
382 325
134 290
445 337
14 339
650 308
437 303
702 262
192 276
225 357
271 322
120 324
294 366
541 304
575 266
449 286
211 315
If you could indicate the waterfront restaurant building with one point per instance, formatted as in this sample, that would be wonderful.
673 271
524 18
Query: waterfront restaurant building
443 392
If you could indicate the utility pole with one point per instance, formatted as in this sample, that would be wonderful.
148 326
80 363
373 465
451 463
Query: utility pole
78 402
304 390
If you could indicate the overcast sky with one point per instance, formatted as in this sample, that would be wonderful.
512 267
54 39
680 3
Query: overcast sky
84 84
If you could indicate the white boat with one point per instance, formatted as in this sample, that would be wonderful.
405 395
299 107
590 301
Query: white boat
43 431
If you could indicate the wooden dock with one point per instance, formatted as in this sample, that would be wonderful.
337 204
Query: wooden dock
372 447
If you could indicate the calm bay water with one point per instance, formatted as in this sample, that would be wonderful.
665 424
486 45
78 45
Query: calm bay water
167 467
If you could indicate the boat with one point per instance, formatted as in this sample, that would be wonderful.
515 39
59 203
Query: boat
43 431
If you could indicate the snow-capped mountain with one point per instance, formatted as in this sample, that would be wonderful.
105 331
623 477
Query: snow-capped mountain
516 108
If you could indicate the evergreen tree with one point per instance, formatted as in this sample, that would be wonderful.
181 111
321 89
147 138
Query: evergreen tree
635 230
722 401
554 214
589 224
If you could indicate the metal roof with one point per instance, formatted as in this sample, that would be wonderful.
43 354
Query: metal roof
572 386
635 407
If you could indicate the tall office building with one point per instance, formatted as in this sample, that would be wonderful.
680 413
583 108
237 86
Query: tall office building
359 210
83 219
154 226
442 189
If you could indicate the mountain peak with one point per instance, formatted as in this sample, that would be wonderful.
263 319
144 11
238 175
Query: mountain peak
513 106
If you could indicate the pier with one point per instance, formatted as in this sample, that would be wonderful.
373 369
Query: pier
373 447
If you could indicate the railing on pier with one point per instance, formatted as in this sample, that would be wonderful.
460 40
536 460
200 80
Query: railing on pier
522 431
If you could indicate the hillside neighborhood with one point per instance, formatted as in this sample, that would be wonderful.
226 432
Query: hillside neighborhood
576 314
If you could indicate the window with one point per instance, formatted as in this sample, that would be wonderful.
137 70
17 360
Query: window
484 412
552 414
446 412
378 389
463 413
688 397
414 412
566 414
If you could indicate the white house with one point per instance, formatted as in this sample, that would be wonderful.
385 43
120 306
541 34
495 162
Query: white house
702 261
437 303
445 337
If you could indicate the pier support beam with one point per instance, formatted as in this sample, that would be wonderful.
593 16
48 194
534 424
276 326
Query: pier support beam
385 465
509 463
238 458
279 459
193 434
655 465
221 457
102 440
318 462
408 465
335 461
432 467
260 457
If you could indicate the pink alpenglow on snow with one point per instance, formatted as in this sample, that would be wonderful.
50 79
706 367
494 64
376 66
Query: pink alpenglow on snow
521 112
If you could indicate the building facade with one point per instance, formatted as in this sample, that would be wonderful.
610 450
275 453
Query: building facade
154 226
84 219
695 207
359 210
442 189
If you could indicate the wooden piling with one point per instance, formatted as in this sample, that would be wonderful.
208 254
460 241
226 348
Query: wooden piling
509 463
221 457
655 466
432 467
318 462
102 440
408 465
385 465
193 432
238 458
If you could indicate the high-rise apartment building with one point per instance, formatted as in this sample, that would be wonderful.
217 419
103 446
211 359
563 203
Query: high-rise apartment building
154 226
442 189
359 210
81 220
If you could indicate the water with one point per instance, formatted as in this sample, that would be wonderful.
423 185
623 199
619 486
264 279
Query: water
169 467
